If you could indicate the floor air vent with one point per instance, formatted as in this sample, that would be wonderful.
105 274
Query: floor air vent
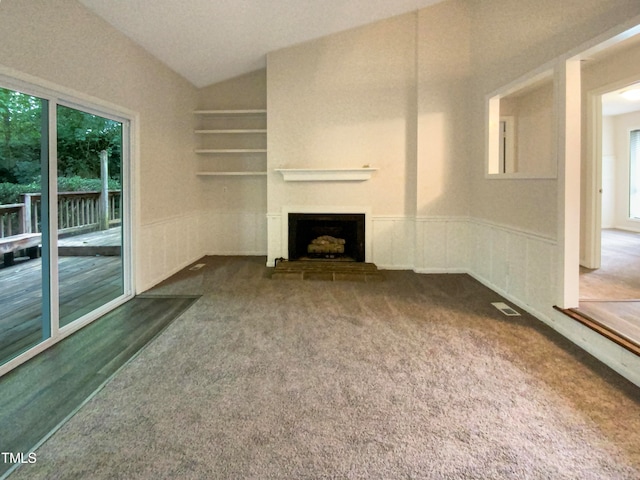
506 309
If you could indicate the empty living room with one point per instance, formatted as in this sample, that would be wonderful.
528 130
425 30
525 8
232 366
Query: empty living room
335 239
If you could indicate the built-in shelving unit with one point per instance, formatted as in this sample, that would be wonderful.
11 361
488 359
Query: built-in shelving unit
233 140
326 174
232 113
230 174
246 130
231 150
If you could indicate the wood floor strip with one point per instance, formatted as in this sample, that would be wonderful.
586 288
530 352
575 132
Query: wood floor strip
37 396
603 330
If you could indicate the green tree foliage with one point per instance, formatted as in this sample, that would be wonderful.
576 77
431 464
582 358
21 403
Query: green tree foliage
20 125
80 139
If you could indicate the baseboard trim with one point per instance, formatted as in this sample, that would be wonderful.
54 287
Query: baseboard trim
152 283
615 362
236 253
443 270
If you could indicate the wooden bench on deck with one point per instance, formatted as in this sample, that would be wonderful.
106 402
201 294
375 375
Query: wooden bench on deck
22 241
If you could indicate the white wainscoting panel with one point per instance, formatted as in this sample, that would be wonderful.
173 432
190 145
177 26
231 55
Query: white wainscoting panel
522 267
235 234
442 245
393 242
165 247
542 274
519 265
499 256
431 247
482 252
458 252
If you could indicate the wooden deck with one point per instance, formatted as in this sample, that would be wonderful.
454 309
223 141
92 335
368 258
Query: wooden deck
86 282
105 243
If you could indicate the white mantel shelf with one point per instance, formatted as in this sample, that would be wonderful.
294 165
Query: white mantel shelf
326 174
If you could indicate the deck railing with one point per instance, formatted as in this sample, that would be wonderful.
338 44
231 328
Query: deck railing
77 212
12 219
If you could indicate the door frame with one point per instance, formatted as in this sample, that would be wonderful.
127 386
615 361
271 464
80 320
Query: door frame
570 199
56 95
592 241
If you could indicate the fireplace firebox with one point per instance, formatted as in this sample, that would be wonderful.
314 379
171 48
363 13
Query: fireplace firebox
330 236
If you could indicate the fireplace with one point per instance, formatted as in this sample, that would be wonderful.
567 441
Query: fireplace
327 236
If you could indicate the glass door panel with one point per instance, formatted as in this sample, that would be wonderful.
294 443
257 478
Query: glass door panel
24 272
90 262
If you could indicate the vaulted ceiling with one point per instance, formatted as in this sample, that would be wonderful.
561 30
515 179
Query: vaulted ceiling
207 41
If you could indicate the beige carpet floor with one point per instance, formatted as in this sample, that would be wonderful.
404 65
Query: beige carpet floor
417 377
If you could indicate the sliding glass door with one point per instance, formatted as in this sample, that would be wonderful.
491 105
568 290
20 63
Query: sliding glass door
63 211
90 268
24 273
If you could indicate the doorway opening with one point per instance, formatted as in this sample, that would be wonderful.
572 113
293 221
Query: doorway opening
609 278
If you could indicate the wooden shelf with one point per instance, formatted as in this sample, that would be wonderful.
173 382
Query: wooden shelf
231 112
230 174
231 150
326 174
248 130
211 140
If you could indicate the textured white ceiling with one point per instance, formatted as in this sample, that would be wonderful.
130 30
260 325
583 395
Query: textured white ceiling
612 102
207 41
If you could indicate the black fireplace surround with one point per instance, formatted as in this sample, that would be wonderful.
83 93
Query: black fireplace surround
305 227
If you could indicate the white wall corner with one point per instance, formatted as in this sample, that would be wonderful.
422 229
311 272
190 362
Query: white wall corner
393 242
166 247
274 234
441 245
235 233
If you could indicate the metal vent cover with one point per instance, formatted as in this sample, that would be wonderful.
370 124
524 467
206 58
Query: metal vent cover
506 309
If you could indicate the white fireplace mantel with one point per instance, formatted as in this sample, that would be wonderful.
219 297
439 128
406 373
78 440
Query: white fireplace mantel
326 174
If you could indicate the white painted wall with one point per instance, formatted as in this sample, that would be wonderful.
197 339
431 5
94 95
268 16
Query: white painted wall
234 217
62 42
510 40
534 142
345 101
622 125
443 95
609 188
392 95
